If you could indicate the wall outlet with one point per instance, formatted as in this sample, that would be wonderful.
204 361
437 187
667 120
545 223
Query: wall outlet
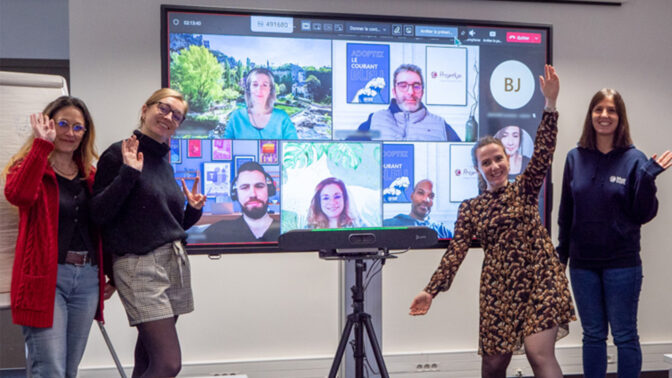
426 366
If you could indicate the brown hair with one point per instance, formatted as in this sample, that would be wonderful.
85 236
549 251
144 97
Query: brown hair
85 153
482 142
621 135
500 134
316 218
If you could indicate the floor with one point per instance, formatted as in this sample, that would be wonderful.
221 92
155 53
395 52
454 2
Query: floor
20 373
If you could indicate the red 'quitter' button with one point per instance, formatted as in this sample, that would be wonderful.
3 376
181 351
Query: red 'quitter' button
516 37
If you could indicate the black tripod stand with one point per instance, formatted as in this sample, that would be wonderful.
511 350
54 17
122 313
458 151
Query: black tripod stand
360 320
358 245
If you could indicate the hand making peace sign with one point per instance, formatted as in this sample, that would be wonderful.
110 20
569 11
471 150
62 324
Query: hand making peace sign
195 199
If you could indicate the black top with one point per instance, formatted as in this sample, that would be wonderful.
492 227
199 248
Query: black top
139 211
73 218
237 230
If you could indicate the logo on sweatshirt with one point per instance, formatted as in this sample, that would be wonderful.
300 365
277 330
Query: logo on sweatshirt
617 180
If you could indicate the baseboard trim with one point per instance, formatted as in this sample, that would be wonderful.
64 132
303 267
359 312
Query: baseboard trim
447 364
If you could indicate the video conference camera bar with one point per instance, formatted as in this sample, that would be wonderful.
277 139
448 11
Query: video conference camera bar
357 241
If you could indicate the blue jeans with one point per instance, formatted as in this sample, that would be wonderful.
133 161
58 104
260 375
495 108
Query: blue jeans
57 351
609 297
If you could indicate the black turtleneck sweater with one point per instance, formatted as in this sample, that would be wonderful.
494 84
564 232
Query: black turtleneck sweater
139 211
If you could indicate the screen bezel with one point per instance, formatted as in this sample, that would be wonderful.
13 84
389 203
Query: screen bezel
270 247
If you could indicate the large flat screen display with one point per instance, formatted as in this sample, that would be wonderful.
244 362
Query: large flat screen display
312 121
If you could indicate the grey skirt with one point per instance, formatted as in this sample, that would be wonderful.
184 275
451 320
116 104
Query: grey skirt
156 285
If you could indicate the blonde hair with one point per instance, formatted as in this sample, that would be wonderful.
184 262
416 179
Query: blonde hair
84 155
162 93
270 102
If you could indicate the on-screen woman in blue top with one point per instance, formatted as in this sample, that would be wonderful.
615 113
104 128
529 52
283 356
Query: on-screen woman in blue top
259 120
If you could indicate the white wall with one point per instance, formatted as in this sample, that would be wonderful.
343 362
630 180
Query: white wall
261 307
34 29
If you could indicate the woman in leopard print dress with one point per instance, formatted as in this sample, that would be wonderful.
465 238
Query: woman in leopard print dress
524 295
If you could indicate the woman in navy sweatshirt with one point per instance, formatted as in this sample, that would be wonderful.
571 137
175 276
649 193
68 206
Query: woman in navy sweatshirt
608 192
142 212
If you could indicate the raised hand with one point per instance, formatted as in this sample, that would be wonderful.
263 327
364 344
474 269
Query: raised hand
550 85
129 151
421 303
665 160
195 199
43 127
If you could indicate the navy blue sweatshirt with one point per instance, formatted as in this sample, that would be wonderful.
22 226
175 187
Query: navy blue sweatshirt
605 200
139 211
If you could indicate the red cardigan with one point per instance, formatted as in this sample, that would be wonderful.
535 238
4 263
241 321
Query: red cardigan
32 186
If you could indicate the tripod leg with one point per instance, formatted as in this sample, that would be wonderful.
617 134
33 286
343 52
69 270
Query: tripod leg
120 369
341 346
375 346
359 348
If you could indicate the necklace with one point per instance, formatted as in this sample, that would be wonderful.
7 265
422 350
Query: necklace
254 120
65 173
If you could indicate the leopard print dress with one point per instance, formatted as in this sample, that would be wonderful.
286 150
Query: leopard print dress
523 287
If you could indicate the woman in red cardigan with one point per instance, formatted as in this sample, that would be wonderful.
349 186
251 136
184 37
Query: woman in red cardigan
57 287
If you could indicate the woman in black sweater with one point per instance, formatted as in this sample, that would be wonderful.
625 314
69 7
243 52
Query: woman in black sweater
141 210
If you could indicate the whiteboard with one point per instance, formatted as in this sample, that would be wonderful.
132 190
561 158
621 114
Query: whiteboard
21 94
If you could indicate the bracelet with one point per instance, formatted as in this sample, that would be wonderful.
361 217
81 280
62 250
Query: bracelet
549 109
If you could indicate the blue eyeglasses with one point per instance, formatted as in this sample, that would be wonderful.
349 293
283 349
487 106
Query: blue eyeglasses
166 109
76 128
